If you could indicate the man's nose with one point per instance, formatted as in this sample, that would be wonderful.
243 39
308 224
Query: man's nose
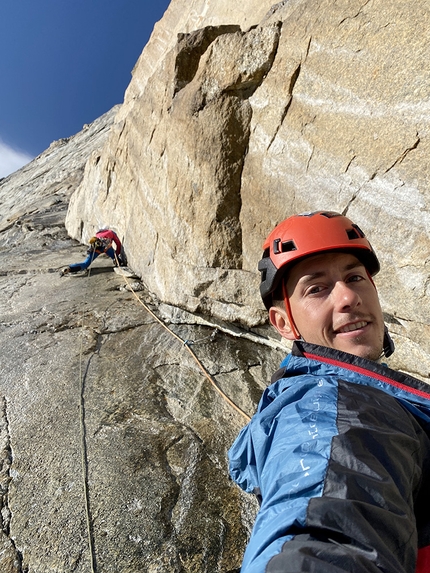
345 296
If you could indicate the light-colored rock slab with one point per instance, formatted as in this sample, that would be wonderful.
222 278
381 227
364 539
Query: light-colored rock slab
226 131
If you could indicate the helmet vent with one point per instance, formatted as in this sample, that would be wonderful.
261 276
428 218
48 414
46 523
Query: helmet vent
289 246
359 231
283 247
354 233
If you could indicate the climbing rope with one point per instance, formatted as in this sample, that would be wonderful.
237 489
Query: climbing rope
82 376
187 345
84 456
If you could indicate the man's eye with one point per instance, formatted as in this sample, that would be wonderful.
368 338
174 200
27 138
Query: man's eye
314 290
355 278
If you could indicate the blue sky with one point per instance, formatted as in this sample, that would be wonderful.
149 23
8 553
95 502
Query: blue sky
63 63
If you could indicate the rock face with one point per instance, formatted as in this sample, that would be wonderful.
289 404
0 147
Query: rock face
227 130
113 441
113 437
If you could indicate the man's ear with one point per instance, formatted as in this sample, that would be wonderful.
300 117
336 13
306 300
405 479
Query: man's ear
278 318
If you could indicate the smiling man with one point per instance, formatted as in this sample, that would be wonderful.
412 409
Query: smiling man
338 452
335 305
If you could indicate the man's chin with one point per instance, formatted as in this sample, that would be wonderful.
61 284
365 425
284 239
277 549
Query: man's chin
362 350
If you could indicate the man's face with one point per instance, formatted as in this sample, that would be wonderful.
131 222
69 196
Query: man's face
334 304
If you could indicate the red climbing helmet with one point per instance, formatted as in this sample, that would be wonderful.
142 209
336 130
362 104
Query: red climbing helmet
309 233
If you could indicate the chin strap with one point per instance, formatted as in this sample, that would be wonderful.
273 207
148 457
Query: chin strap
388 348
287 305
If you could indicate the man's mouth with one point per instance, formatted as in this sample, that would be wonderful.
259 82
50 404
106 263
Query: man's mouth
352 326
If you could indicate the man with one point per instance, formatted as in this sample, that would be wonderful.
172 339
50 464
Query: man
339 449
102 243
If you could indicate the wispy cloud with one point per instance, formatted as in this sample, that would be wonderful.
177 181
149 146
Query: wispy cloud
11 159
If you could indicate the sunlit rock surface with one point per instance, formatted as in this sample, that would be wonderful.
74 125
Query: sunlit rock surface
251 114
113 439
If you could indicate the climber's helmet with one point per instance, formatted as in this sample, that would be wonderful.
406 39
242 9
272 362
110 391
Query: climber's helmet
308 234
96 243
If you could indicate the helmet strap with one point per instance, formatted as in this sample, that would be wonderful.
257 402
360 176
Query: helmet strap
287 305
370 278
388 343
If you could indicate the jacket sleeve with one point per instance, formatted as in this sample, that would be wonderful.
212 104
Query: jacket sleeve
117 242
108 234
339 470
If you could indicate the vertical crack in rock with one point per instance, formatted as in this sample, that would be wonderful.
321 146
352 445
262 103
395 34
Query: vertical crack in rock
426 288
350 163
110 175
293 80
404 154
218 114
84 458
247 77
359 12
310 158
6 462
308 48
10 556
353 198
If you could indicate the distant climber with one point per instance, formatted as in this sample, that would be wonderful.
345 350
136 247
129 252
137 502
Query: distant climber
104 242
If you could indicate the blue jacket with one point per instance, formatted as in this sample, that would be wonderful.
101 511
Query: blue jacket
339 456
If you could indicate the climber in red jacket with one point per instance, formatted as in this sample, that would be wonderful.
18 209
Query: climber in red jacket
104 242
